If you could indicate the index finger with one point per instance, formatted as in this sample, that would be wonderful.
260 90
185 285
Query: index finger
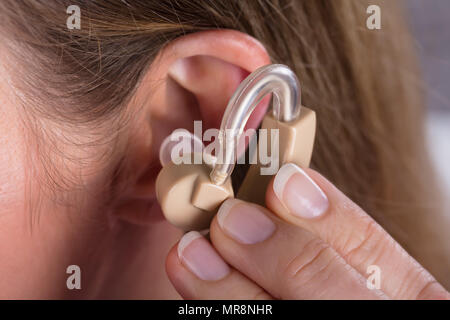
307 199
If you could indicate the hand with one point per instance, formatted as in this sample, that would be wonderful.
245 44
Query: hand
311 243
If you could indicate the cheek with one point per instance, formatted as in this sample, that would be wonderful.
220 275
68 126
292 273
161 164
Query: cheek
12 156
36 246
13 245
28 243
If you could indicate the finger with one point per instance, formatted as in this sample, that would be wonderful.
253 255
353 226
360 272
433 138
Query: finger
198 272
305 198
288 262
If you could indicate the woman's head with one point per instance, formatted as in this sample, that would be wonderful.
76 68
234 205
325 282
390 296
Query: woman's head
85 110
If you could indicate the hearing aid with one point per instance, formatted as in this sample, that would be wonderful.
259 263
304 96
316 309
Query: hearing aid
190 193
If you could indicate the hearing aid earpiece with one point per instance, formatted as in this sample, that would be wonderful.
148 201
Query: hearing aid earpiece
190 194
187 196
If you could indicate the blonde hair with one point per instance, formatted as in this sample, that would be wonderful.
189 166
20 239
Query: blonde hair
362 83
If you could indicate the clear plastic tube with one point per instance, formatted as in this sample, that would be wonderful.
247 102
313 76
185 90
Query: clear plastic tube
277 79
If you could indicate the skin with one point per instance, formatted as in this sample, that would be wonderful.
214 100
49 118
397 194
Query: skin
121 245
320 258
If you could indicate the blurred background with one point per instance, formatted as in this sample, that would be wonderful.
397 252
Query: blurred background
430 24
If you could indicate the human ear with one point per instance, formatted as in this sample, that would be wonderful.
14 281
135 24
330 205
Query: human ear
191 79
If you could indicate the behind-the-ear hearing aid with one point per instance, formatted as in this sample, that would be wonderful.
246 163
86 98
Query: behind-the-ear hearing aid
190 194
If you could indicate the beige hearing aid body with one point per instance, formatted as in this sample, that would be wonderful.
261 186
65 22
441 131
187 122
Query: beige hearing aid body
187 197
190 194
296 142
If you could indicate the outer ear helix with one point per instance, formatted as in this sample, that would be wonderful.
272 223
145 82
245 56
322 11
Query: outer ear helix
190 194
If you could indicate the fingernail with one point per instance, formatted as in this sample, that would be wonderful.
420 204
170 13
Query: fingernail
197 254
244 222
299 193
